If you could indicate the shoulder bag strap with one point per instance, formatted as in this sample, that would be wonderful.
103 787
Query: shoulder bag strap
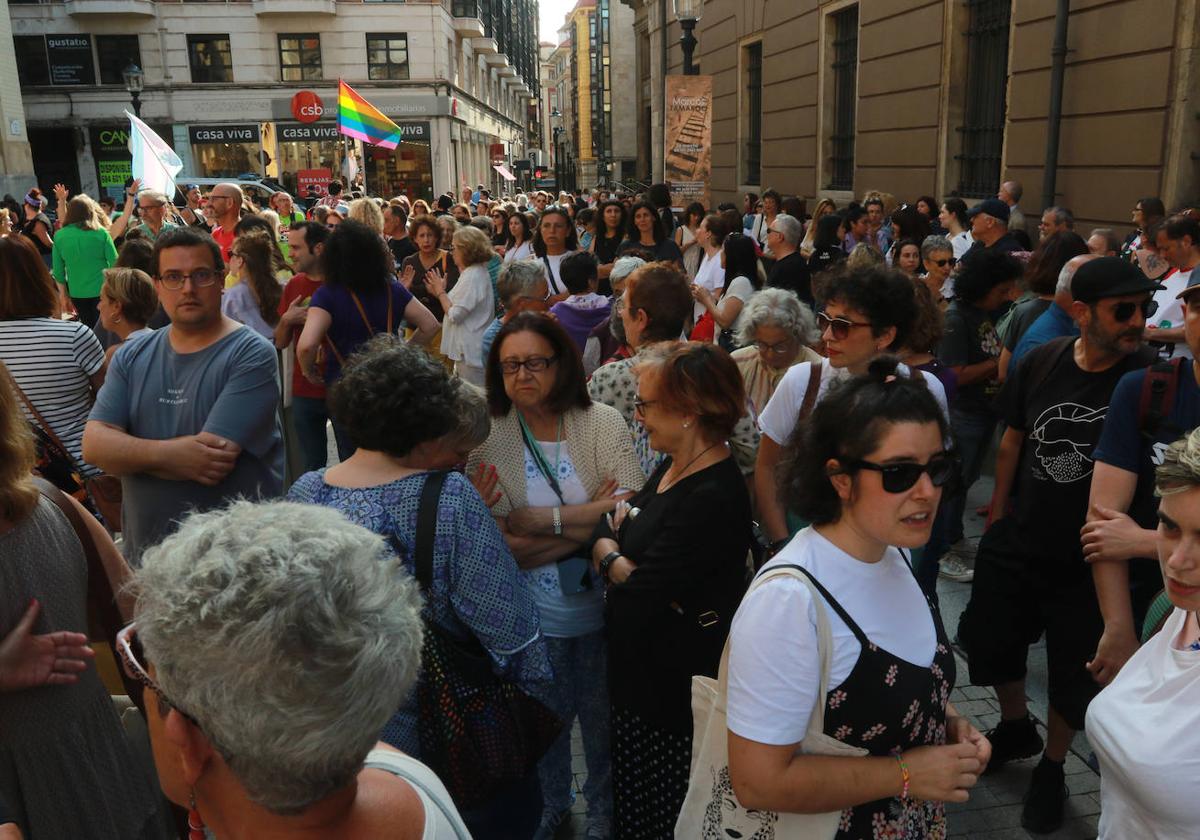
102 603
427 529
37 415
811 390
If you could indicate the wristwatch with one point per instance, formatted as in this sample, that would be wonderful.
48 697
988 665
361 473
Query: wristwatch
607 562
558 528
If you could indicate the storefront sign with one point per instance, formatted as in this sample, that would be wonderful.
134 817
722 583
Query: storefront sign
299 133
497 151
70 58
688 138
398 106
307 107
223 134
110 148
414 131
316 180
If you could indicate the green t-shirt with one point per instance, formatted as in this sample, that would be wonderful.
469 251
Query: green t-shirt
80 257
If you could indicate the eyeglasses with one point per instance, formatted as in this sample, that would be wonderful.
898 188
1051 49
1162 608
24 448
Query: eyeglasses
950 261
839 328
897 478
534 364
126 640
1124 311
200 278
776 349
640 405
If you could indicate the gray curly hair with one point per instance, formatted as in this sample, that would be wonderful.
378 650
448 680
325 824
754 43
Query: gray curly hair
291 635
778 308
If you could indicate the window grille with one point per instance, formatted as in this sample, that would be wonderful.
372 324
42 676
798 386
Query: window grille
753 155
982 130
845 99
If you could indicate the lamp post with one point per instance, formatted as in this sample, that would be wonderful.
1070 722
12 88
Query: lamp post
135 80
688 13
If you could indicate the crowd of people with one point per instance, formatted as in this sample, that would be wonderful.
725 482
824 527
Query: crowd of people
570 431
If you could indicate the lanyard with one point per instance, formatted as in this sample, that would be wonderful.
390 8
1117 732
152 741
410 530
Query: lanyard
539 457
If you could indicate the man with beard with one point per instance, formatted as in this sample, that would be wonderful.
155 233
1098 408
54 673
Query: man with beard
1030 575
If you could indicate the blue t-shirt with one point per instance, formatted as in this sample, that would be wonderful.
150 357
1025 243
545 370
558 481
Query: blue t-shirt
349 331
230 389
489 336
1051 324
1123 446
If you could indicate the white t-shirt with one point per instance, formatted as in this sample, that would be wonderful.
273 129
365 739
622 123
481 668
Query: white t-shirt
742 289
961 243
711 276
471 312
562 616
1170 311
553 274
523 251
774 665
1143 728
778 419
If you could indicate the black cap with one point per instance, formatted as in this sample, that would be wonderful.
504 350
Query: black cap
993 207
1106 277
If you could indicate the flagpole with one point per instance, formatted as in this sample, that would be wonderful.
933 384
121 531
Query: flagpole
345 161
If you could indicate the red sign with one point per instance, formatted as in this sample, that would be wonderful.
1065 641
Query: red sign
314 179
497 151
307 107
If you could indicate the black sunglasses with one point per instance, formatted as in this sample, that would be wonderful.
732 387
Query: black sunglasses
949 261
839 328
1124 311
897 478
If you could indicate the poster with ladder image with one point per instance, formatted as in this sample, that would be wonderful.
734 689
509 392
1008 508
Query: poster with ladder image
688 139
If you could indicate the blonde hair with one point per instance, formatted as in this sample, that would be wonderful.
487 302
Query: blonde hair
273 219
475 244
1180 469
84 212
134 290
18 495
365 210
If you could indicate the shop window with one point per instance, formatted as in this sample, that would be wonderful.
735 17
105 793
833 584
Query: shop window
115 52
987 77
299 57
210 58
753 147
32 66
845 84
387 56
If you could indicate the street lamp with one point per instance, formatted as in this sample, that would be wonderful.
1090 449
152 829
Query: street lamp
688 13
135 80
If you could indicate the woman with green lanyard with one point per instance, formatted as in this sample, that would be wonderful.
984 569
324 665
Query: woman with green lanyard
561 463
283 205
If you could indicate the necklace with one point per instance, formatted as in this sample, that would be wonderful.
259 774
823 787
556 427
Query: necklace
679 476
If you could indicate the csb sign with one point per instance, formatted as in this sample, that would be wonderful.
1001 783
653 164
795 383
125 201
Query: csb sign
307 106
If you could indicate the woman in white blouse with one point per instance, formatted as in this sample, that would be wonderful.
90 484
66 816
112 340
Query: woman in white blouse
1143 724
470 306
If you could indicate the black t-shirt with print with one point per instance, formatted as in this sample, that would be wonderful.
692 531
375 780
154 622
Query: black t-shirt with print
969 338
1061 411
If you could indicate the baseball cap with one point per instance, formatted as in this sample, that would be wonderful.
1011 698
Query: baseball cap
1109 277
993 207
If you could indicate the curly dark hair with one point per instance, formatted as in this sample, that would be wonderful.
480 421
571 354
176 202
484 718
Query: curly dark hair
981 270
883 295
393 396
356 257
847 425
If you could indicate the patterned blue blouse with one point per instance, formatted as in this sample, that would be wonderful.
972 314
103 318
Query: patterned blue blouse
476 590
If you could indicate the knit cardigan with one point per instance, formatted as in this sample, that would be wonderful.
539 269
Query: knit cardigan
598 442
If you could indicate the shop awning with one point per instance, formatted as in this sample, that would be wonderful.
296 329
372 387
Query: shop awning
504 173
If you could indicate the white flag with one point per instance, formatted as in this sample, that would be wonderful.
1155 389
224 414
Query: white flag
349 168
155 164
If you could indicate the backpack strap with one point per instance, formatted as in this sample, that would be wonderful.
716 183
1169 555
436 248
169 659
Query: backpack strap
427 529
1158 396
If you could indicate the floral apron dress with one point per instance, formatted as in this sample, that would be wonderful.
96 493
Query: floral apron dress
888 705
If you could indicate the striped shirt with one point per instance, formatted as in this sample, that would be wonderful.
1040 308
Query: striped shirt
52 362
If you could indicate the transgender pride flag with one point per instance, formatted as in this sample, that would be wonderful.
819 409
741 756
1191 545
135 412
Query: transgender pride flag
361 120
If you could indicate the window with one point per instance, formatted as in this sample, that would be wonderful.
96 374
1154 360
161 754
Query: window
210 58
983 115
32 66
753 150
464 8
387 56
845 83
299 57
115 53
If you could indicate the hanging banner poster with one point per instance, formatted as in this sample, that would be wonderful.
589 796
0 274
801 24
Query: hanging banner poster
688 138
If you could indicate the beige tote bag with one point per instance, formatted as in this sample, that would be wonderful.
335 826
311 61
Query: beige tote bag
711 808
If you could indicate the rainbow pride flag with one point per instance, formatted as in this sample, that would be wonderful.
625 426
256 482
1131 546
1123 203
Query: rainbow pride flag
360 119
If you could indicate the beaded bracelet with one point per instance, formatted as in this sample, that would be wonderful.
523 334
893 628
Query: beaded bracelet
899 756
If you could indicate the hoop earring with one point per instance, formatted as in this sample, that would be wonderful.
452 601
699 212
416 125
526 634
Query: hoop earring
195 821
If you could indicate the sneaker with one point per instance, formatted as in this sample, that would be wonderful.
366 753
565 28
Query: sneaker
951 568
964 549
1045 799
1013 740
553 823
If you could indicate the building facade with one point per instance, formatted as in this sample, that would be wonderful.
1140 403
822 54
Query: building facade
937 97
16 159
222 78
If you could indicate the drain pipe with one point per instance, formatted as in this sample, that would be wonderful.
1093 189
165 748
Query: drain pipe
1058 63
662 175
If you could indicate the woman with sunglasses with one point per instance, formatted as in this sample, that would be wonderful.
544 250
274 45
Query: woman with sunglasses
867 470
274 640
499 228
937 258
674 557
866 312
561 460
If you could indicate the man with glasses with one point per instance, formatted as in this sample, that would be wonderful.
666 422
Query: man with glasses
226 202
989 226
187 417
790 270
1030 574
154 209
